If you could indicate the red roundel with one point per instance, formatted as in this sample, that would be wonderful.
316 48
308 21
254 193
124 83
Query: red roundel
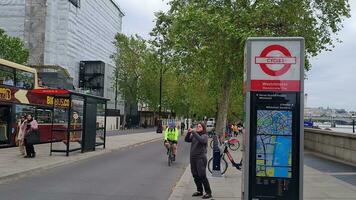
264 60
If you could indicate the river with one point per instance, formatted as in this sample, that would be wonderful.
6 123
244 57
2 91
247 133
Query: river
338 128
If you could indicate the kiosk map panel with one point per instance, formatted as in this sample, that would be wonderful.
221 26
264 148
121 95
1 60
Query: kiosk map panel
274 143
274 117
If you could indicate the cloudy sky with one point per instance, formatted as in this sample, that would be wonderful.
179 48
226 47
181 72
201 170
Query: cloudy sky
331 81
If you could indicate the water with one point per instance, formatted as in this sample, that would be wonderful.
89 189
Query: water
338 128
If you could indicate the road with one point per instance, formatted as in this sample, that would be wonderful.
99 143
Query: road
136 173
130 131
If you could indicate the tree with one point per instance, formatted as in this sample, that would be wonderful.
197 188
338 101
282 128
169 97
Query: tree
208 36
129 60
12 48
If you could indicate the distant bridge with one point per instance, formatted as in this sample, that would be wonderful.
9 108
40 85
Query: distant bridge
336 120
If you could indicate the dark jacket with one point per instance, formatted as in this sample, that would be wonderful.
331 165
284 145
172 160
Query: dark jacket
199 144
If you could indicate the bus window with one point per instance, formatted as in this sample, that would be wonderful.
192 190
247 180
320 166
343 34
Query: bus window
24 80
60 116
24 110
44 116
4 124
6 76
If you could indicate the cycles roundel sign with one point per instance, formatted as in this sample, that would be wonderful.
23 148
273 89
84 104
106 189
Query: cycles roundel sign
275 65
265 60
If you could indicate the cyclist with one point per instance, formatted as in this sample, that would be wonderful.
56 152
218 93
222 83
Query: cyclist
171 135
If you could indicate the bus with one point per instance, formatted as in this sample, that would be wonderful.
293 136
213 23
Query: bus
17 99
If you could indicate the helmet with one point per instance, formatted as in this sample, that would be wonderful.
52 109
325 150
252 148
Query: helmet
171 125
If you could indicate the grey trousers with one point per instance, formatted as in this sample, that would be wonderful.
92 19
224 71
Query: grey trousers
198 168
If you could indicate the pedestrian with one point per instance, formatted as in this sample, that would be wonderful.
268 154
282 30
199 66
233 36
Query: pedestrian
21 127
198 159
240 127
31 127
234 129
182 126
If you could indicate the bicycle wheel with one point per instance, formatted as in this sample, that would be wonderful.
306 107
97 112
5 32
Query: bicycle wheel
235 146
212 144
223 165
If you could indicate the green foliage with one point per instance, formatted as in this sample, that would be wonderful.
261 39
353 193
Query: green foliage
137 71
129 65
205 39
12 49
198 45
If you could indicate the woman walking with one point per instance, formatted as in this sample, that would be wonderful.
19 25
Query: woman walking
198 159
21 127
32 126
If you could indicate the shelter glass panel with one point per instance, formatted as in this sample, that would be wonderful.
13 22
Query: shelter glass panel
77 114
100 123
60 124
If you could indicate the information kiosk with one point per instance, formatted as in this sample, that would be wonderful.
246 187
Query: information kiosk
273 156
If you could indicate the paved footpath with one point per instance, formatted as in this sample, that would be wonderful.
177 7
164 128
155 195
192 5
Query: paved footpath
13 166
323 180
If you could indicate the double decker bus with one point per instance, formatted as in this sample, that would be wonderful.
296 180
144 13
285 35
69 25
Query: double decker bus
17 99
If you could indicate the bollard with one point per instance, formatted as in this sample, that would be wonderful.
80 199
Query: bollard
216 158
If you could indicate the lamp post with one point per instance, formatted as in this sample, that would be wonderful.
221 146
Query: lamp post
353 122
116 94
160 93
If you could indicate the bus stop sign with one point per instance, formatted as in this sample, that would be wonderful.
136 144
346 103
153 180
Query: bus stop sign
274 73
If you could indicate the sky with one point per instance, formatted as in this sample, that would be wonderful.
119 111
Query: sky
331 82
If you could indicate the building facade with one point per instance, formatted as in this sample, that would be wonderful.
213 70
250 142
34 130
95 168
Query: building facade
64 34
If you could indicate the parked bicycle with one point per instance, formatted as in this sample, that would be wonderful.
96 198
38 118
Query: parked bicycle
233 144
223 163
170 154
211 134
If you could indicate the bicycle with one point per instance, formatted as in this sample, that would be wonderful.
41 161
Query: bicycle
211 134
223 163
170 154
233 144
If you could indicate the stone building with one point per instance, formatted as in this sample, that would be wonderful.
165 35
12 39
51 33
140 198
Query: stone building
68 41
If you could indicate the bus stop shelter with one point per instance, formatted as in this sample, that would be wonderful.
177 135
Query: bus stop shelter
78 121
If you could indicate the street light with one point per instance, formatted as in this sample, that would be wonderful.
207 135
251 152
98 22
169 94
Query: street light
160 92
353 122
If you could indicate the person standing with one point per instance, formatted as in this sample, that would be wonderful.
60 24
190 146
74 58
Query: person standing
31 126
198 159
182 126
21 127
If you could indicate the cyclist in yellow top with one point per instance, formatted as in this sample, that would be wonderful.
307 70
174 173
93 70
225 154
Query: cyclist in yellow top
171 135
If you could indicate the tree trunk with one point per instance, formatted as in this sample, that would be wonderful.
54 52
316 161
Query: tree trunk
223 105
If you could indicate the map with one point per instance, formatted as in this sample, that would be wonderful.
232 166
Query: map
274 156
274 122
274 144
